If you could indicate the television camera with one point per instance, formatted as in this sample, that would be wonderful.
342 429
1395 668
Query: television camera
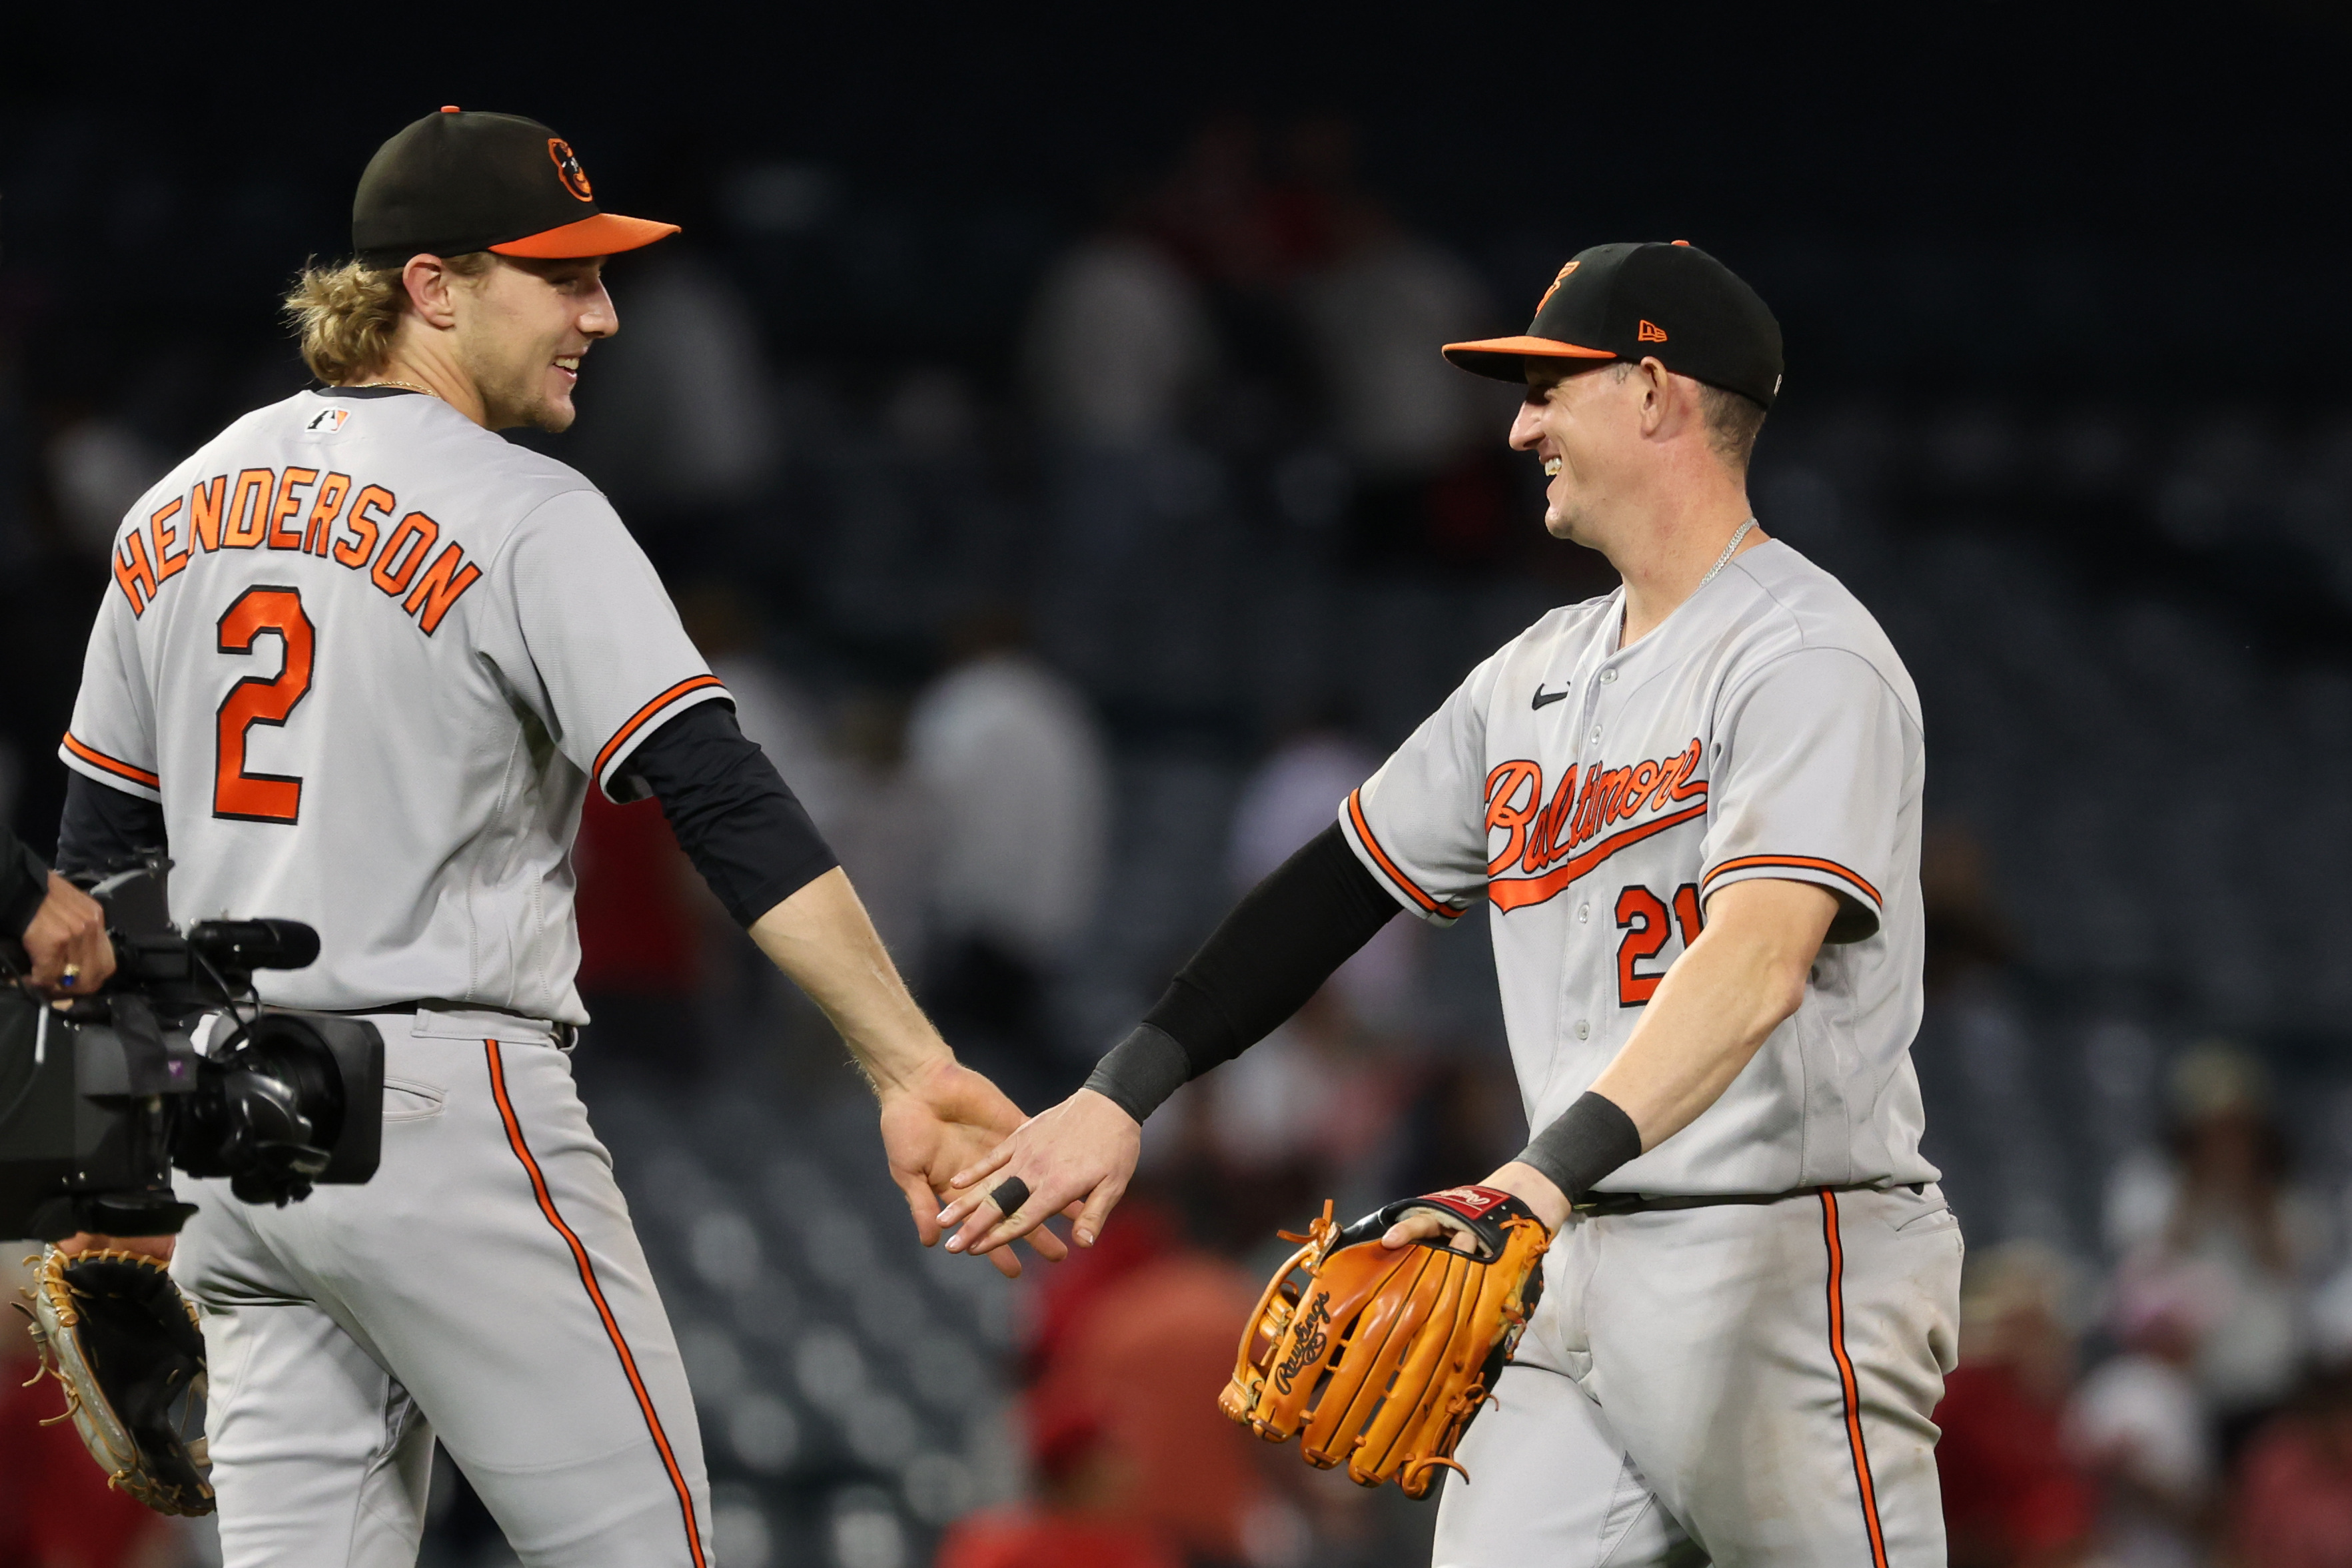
102 1099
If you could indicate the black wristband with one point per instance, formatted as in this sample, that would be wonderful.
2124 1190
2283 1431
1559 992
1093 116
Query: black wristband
1591 1138
1140 1071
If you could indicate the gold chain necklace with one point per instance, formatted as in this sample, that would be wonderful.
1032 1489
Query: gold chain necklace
404 386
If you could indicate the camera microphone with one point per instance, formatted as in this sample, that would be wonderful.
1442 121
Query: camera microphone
242 946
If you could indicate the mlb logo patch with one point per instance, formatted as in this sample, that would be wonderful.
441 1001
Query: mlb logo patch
328 420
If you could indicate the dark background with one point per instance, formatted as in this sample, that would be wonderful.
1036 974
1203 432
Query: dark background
2066 313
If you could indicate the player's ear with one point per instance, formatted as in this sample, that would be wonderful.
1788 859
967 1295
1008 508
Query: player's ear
1660 398
429 284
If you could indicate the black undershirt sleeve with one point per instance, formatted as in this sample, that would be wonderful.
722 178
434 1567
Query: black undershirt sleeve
1273 951
736 820
24 884
103 828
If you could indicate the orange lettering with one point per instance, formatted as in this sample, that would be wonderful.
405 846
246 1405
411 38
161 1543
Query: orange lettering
1612 795
133 572
168 562
1543 844
1503 810
320 524
444 582
1638 789
1581 826
248 509
391 571
374 497
285 506
1684 765
205 509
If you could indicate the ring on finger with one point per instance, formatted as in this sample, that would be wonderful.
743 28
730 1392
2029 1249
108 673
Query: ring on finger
71 976
1009 1194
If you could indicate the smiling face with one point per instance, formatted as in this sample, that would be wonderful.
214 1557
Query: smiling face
521 330
1585 425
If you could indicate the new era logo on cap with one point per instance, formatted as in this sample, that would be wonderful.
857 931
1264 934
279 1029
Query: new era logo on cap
1650 334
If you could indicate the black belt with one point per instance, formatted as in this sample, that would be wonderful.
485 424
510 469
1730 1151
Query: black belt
1606 1205
567 1035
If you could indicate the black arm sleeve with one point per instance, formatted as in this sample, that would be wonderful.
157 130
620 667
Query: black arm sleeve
1277 947
103 826
23 883
743 828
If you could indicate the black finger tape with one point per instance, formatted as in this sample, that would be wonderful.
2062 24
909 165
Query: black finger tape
1009 1194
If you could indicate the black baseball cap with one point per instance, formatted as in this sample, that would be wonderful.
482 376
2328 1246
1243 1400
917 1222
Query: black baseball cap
456 182
1671 302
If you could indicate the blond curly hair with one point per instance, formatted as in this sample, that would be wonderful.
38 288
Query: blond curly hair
346 315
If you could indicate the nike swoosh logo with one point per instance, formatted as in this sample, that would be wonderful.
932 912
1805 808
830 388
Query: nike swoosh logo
1543 696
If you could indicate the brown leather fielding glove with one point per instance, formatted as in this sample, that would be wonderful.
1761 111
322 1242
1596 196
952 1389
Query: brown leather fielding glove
1413 1338
117 1333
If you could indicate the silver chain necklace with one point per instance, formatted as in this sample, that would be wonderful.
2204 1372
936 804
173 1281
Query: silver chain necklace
1738 534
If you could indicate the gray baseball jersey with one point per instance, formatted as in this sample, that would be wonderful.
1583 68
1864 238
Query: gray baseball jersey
369 656
1599 796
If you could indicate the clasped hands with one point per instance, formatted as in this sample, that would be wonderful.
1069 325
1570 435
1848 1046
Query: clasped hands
1078 1157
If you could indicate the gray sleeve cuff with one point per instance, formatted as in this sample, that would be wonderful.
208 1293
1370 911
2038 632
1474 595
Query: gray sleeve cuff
1141 1070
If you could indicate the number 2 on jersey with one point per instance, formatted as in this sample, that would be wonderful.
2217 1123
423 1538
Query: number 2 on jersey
260 699
1642 915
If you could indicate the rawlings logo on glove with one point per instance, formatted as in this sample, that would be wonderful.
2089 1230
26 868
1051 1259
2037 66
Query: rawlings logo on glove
1395 1349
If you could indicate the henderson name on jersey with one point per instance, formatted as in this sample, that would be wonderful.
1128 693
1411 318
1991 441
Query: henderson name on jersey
277 601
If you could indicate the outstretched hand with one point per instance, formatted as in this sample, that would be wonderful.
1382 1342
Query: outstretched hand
1083 1150
943 1122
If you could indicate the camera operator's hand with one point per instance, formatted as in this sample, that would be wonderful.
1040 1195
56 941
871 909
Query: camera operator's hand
67 944
159 1247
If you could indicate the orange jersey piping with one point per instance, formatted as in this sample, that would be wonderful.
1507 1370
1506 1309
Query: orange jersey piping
120 768
596 1295
1412 889
1806 863
638 718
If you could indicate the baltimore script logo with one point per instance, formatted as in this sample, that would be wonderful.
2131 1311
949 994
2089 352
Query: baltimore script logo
1543 837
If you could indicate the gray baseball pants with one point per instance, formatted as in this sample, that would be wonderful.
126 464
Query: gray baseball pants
487 1288
1745 1384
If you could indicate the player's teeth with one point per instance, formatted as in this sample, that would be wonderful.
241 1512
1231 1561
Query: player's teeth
1551 468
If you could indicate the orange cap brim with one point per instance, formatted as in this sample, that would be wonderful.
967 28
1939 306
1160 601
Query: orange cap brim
1501 357
606 233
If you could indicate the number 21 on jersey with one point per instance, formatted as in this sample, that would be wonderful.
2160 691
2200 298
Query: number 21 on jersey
263 610
1642 915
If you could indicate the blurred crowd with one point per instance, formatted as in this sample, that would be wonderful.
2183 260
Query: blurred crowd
1073 602
2190 1405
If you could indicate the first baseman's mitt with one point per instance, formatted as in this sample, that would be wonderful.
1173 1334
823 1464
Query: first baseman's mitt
1381 1357
117 1335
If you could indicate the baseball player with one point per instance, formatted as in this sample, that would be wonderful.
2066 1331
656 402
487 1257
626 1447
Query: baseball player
1694 805
360 663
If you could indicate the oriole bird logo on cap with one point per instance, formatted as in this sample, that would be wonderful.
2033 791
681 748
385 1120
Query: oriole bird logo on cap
567 169
1555 286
